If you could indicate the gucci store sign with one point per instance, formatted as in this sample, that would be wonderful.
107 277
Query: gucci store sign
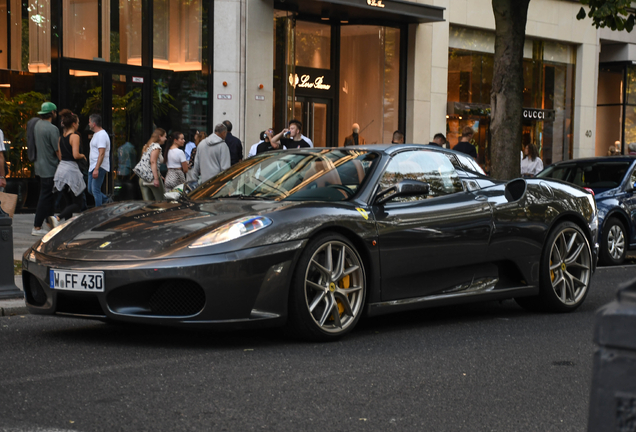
538 114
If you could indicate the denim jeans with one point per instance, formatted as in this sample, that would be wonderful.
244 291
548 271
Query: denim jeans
95 187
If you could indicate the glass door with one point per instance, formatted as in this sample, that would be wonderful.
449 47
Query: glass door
119 95
314 114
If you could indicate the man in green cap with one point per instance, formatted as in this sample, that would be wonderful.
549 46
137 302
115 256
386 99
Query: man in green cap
47 136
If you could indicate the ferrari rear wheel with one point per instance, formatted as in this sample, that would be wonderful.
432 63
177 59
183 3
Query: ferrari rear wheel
565 271
328 290
613 245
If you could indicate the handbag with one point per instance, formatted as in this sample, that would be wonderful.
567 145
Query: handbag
143 168
8 202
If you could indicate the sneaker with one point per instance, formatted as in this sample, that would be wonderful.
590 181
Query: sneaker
39 232
109 199
53 222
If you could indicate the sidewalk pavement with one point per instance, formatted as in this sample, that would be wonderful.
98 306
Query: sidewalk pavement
22 240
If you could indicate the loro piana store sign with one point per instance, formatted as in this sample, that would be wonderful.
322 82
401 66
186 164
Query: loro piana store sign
312 82
308 82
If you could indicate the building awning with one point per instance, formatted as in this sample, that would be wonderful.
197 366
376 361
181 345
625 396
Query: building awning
363 11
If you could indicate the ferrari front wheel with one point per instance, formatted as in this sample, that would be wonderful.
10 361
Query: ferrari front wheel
328 289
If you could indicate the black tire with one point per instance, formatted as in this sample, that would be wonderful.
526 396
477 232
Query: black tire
565 271
326 303
613 243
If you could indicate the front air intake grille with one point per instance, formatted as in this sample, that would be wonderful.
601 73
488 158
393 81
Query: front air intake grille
177 298
35 294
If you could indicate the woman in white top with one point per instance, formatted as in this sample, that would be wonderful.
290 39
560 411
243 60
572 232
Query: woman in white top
176 161
154 190
531 164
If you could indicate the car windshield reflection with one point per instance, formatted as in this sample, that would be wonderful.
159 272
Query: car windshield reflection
317 175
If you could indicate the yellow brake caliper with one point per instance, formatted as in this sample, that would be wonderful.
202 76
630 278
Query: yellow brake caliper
551 272
343 283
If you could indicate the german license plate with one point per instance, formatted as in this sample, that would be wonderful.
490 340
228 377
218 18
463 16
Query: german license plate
77 280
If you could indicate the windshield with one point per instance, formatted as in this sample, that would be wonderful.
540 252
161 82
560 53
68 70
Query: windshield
318 174
593 175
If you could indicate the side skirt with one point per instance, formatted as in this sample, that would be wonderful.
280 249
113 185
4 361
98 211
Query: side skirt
382 308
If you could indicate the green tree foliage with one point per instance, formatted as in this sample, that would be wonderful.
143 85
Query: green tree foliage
615 14
15 112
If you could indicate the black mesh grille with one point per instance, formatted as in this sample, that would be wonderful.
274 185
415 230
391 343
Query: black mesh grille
34 293
177 298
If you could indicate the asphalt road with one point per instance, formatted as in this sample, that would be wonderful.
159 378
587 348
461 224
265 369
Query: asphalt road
486 367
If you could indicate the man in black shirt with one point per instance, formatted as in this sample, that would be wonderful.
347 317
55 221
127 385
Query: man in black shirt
464 144
439 140
290 137
398 137
266 145
234 144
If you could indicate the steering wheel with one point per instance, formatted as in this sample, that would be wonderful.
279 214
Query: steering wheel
342 188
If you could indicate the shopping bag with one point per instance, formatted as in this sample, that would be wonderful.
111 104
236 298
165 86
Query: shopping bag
8 202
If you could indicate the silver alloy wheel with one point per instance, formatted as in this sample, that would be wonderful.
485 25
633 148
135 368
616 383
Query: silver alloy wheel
616 242
334 290
570 260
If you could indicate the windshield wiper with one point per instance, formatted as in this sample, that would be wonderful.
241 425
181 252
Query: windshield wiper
243 196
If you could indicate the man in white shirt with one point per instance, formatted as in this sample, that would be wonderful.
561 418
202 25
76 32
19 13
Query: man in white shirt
99 160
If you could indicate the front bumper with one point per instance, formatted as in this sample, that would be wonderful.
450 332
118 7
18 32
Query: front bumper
241 289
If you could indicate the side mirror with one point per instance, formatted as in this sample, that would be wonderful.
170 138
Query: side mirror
403 189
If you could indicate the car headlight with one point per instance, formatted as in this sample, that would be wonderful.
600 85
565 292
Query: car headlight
232 230
48 236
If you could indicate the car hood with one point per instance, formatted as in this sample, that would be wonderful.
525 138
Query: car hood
142 230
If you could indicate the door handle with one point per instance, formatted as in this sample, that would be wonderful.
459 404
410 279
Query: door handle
481 198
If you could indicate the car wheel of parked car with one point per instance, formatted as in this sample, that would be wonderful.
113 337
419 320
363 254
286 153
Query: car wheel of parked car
613 246
565 271
328 289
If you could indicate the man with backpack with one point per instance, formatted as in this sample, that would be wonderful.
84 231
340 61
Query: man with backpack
46 137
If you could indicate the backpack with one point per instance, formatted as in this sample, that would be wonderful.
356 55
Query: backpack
32 151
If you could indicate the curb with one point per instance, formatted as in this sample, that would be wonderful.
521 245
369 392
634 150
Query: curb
13 307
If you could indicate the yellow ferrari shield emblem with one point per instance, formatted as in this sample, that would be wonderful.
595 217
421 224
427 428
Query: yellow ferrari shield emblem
363 212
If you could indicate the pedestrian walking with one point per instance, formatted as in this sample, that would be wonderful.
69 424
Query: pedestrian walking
150 181
531 164
198 137
176 161
99 160
233 144
213 156
69 180
46 137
